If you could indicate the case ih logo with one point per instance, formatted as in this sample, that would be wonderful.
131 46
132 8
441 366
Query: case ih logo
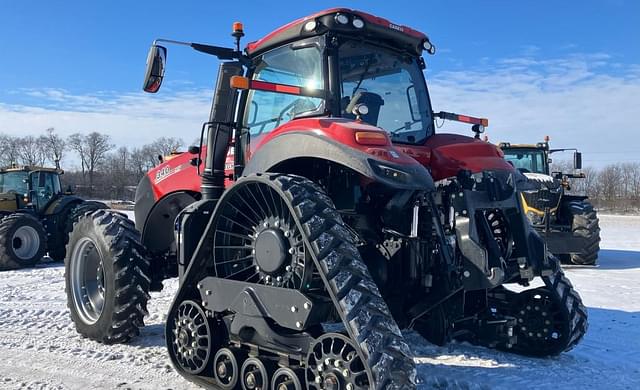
162 174
396 27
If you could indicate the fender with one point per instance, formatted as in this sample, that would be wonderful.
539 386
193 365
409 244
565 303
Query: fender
302 144
59 204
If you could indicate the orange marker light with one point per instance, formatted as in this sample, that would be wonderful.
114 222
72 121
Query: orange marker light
371 138
485 122
239 82
238 27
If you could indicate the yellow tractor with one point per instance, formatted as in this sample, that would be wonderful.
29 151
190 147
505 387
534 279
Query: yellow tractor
36 215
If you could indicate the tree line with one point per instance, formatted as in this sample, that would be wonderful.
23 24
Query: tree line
95 167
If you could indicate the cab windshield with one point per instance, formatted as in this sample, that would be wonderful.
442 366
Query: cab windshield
392 88
526 160
14 182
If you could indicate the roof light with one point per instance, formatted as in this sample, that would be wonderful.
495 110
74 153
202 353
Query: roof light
357 23
428 47
310 25
342 18
546 138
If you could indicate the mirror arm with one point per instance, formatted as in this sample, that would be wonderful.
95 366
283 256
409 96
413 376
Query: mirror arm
223 53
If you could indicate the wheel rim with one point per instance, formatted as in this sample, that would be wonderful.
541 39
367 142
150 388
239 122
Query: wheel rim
285 379
256 240
87 280
540 322
225 367
25 242
334 363
191 337
254 375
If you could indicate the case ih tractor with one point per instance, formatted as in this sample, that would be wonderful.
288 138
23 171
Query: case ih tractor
36 216
322 216
567 222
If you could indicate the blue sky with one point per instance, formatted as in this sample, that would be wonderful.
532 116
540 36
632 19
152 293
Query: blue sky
568 69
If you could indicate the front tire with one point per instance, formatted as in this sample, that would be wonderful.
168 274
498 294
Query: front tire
106 277
22 241
585 224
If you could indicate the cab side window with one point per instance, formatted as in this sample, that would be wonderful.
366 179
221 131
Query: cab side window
300 67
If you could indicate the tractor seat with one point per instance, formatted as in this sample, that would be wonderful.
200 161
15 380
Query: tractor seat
373 101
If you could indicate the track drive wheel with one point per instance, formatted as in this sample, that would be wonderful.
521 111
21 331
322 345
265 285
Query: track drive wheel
22 241
585 224
106 277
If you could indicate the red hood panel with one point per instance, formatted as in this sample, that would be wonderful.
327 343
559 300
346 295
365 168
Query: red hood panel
451 153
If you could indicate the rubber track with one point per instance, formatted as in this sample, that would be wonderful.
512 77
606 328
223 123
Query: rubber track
131 268
563 291
355 294
585 224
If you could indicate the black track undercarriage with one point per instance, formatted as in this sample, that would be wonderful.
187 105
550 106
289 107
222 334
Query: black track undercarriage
285 292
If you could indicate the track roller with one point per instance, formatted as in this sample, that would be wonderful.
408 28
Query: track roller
226 369
286 379
254 375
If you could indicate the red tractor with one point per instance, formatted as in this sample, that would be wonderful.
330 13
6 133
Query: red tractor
322 216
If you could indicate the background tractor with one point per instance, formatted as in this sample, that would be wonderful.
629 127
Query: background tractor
567 222
321 216
36 216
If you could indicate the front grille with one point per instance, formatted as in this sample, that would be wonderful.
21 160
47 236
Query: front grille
542 198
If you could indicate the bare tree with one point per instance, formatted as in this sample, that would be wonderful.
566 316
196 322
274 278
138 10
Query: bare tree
92 149
54 146
8 150
31 150
164 146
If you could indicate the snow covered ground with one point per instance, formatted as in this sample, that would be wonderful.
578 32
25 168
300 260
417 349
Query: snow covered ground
39 348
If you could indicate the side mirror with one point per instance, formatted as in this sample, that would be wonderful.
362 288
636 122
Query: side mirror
155 68
577 160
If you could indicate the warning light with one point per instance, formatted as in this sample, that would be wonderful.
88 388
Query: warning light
546 138
238 29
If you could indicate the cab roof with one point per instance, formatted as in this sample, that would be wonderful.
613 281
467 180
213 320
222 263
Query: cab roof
32 168
400 36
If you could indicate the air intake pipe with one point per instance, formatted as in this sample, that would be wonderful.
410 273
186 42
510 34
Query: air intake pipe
220 131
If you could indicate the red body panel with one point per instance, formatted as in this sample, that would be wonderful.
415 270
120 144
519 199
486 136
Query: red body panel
176 174
443 154
342 131
449 153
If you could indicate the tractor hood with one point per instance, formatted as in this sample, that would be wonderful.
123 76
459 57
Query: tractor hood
450 153
539 180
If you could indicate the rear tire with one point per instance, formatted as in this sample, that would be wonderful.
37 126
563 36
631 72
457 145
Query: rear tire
57 248
106 277
22 241
585 224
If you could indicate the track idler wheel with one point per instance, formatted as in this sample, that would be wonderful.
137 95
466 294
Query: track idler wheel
335 364
286 379
254 374
226 369
190 338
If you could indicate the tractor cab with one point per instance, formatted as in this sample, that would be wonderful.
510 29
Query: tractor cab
29 187
535 158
